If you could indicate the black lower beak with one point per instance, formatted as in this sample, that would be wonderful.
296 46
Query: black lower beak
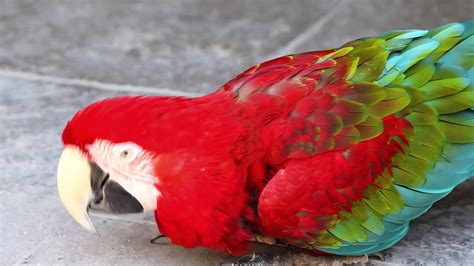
110 196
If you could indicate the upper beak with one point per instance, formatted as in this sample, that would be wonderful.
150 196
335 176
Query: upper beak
83 185
74 185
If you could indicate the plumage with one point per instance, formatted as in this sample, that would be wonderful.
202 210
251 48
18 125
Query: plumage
334 151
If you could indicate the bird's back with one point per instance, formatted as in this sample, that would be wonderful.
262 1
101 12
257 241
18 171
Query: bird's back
407 94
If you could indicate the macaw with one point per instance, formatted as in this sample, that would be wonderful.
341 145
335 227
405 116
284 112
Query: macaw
333 151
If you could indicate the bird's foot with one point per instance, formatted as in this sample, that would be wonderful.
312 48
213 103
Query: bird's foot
155 239
269 241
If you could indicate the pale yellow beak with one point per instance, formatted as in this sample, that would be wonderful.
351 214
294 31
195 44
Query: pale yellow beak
74 185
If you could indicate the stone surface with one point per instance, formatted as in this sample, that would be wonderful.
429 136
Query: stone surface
365 18
190 45
186 45
444 235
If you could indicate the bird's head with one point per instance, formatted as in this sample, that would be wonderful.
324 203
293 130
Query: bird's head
108 160
170 155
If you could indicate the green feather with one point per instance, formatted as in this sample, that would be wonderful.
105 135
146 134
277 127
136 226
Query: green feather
439 88
457 133
370 128
398 80
336 54
359 212
462 118
373 223
419 74
388 77
429 135
394 200
425 152
407 178
453 103
351 112
419 119
395 101
378 204
366 93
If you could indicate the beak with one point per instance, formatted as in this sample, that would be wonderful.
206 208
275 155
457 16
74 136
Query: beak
84 186
74 185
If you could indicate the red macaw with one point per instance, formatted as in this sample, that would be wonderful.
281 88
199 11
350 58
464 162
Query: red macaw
333 151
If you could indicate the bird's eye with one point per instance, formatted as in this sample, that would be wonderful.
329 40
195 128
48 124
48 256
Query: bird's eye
126 151
124 154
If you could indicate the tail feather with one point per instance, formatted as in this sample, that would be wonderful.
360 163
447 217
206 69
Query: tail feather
416 197
449 91
446 77
436 69
393 234
453 168
463 53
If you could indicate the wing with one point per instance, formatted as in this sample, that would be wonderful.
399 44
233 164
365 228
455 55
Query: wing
338 199
367 137
313 103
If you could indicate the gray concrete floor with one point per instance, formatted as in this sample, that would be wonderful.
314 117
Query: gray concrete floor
49 47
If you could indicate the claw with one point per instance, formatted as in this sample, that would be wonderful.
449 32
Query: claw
153 240
254 258
377 256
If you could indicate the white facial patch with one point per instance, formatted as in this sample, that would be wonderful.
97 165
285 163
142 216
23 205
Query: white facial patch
130 166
